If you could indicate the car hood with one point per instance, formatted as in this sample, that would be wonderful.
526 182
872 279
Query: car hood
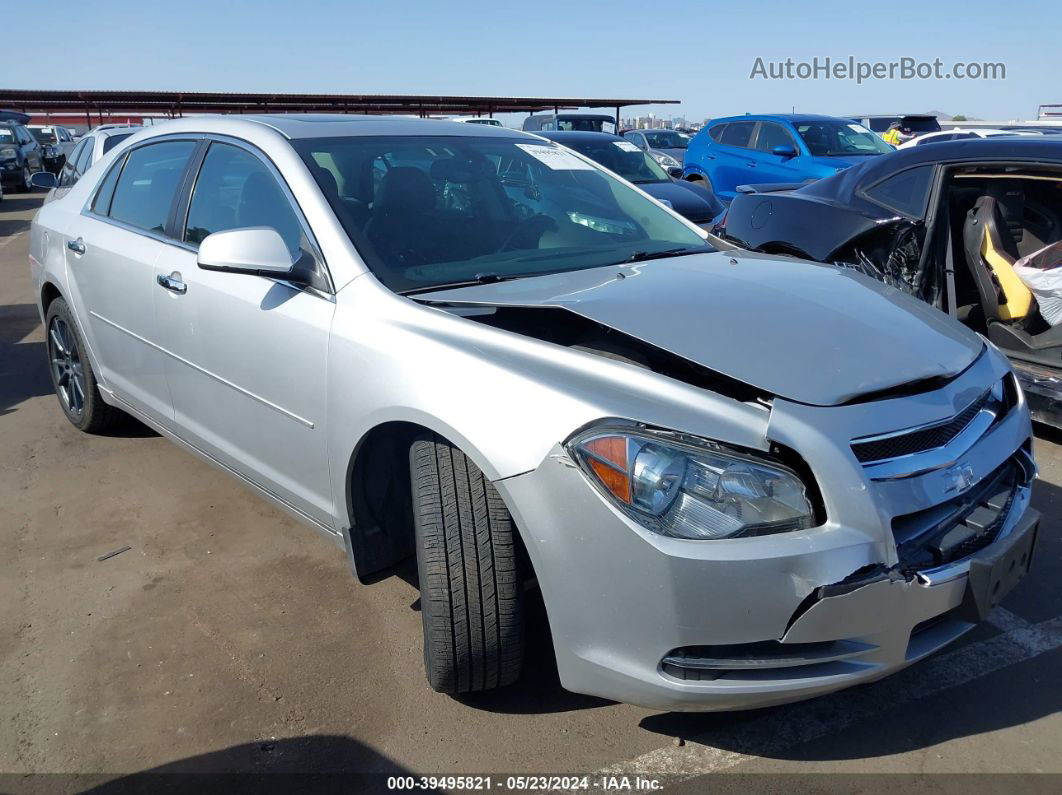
678 154
806 332
693 204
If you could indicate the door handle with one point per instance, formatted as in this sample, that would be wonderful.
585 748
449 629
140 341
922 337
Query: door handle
77 246
173 283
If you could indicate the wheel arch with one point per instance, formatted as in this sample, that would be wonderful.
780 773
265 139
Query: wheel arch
377 497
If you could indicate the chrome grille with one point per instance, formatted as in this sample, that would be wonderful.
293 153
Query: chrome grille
919 440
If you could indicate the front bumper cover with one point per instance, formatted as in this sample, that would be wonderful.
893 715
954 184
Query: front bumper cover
788 616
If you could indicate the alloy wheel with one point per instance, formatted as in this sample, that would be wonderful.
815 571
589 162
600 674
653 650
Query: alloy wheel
67 370
27 175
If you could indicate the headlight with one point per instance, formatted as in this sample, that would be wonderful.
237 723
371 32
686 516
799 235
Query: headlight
8 153
666 160
692 488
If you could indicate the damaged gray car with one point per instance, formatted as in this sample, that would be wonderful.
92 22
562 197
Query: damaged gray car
736 480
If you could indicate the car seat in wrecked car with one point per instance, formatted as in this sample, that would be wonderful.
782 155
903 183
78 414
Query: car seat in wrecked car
991 251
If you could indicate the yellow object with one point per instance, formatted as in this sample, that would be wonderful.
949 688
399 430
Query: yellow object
1018 297
892 137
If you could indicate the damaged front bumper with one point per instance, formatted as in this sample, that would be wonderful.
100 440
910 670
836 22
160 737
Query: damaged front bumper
670 623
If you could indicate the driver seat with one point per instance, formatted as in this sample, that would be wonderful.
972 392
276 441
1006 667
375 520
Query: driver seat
991 252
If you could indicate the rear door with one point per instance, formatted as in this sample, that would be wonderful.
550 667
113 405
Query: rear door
734 162
111 264
247 363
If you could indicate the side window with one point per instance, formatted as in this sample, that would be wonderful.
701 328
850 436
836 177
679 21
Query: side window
68 176
772 135
717 131
235 190
906 192
84 160
738 133
148 184
64 136
102 203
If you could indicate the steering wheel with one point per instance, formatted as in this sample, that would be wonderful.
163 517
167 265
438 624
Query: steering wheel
536 225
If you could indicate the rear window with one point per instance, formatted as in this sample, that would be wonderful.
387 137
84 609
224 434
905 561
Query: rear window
738 133
906 192
148 184
112 141
920 124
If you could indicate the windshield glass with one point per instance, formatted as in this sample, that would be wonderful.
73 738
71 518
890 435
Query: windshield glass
840 139
7 135
586 124
44 135
622 157
667 140
432 210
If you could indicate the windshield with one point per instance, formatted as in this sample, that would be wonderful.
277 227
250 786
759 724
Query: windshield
622 157
7 135
667 140
426 211
586 124
44 135
840 139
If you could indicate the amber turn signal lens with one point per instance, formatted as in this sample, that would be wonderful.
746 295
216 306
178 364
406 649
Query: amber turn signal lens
614 480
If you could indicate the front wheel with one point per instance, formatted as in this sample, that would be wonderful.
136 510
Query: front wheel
72 375
470 590
27 175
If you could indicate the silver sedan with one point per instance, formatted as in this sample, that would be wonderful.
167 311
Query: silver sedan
735 480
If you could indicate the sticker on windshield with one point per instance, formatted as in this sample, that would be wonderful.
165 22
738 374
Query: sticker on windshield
859 128
626 146
555 157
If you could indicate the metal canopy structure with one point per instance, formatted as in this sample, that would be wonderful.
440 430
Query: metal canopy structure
179 103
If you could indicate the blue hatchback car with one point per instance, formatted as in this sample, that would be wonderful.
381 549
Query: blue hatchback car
789 148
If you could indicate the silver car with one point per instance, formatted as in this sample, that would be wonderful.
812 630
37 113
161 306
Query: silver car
735 480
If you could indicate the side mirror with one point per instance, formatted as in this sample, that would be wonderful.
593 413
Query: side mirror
785 151
43 179
675 172
258 251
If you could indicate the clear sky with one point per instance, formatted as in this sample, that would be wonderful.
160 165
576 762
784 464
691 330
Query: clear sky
699 52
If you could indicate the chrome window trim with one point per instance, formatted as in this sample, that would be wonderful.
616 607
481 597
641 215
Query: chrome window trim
171 241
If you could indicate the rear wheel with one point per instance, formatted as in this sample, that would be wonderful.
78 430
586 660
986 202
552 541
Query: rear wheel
72 375
470 591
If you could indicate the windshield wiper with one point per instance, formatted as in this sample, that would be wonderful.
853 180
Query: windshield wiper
642 256
479 278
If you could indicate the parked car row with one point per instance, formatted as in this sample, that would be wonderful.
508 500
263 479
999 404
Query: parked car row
735 478
27 149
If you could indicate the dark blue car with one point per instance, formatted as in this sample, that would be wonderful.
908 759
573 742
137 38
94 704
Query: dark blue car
788 148
621 156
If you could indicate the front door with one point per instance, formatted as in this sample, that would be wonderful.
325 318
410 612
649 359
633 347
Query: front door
246 369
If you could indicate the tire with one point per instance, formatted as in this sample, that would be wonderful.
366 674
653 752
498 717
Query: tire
72 375
471 594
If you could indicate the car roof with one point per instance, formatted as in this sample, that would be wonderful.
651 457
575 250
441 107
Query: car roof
789 117
319 125
891 116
